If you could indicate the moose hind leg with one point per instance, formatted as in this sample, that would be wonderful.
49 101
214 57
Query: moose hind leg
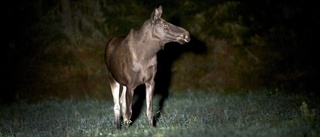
115 88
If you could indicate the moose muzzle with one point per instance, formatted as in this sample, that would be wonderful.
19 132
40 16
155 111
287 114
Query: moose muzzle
183 38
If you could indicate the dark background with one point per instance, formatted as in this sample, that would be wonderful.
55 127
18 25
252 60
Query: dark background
55 48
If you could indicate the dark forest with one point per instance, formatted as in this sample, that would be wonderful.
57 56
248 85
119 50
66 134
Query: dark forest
56 48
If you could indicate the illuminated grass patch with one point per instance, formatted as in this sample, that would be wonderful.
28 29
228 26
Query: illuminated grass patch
191 114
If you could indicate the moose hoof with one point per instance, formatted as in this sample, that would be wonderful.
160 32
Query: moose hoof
127 122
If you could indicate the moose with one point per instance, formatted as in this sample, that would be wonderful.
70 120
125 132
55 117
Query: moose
132 61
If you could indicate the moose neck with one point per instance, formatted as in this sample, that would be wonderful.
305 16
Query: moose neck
143 42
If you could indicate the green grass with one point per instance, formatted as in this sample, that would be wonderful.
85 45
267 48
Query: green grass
260 113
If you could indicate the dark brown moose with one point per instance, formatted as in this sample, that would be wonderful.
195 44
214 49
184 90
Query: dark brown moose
131 61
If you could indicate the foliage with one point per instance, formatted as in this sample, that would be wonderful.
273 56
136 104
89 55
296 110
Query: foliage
234 45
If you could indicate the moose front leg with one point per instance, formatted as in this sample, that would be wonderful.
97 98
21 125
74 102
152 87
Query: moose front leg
126 103
149 95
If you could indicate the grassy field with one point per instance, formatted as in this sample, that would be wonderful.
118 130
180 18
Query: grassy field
258 114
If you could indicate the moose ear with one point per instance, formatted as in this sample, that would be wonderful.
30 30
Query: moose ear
156 14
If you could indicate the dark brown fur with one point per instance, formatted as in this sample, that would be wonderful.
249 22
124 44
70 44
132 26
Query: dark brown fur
132 61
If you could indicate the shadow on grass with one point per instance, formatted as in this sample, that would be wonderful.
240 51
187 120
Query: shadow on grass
165 59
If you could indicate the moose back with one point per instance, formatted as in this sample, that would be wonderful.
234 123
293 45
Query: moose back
131 61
